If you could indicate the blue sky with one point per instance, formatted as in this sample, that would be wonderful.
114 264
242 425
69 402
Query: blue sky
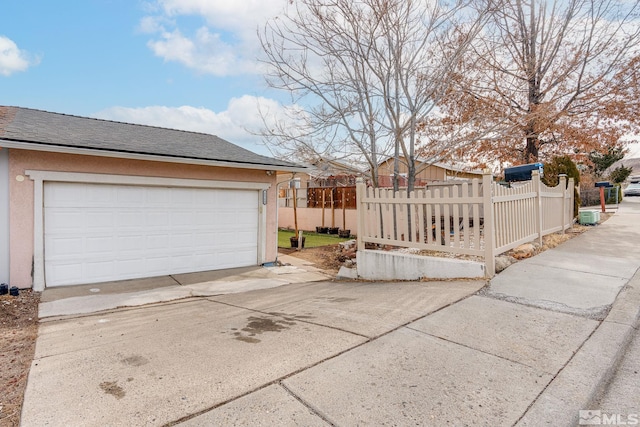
184 64
187 64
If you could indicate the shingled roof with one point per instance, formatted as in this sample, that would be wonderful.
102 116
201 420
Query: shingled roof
44 130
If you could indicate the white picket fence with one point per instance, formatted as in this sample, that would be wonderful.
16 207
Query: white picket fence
464 218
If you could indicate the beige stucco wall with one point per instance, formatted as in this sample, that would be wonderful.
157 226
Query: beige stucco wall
310 218
21 194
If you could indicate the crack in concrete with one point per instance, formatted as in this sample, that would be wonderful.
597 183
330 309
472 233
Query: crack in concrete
595 313
479 350
315 411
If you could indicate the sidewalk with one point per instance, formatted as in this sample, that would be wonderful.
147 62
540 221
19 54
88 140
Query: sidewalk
532 348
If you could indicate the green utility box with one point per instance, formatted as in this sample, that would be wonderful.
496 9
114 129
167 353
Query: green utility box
589 217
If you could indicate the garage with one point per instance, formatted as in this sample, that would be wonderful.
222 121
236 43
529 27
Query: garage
92 201
100 232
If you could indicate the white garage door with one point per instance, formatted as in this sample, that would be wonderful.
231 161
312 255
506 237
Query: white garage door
97 232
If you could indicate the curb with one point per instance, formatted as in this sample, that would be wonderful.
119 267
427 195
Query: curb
584 377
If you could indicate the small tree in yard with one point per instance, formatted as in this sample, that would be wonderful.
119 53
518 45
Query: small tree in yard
563 165
603 160
619 174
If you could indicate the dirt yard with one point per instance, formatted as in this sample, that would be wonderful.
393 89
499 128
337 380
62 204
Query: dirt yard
18 332
19 325
323 257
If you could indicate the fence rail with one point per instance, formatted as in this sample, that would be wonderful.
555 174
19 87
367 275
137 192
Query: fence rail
464 218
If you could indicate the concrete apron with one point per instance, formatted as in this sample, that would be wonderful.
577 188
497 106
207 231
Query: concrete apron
158 364
77 300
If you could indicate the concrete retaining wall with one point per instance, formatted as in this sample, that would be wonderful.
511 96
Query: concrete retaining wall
383 265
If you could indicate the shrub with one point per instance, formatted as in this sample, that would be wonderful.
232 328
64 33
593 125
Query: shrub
563 165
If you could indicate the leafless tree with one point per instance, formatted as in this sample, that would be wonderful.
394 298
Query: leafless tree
364 73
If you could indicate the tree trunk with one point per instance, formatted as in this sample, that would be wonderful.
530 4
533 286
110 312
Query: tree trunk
411 174
396 168
532 149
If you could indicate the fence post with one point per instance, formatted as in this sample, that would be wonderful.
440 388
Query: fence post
535 177
563 183
489 240
572 201
360 212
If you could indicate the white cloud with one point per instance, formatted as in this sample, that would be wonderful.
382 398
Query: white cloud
13 59
227 45
235 125
237 16
153 24
205 52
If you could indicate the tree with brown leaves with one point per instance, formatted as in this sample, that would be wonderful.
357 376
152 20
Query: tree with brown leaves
560 77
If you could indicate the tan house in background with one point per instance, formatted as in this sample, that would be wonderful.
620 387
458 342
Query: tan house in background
427 172
326 174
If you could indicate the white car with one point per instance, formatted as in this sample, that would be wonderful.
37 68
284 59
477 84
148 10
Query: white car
632 189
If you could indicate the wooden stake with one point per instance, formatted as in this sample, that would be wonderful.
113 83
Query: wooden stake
333 211
344 217
295 210
323 205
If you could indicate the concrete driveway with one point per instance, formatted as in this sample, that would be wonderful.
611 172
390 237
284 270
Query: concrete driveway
171 362
534 348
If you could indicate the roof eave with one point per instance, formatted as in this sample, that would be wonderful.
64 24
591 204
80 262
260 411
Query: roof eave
149 157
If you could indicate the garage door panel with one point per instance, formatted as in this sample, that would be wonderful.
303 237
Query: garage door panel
126 268
181 219
64 247
69 272
65 220
97 219
100 245
158 219
227 259
244 238
97 233
103 196
131 243
99 270
157 196
131 196
204 240
131 219
179 196
182 241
